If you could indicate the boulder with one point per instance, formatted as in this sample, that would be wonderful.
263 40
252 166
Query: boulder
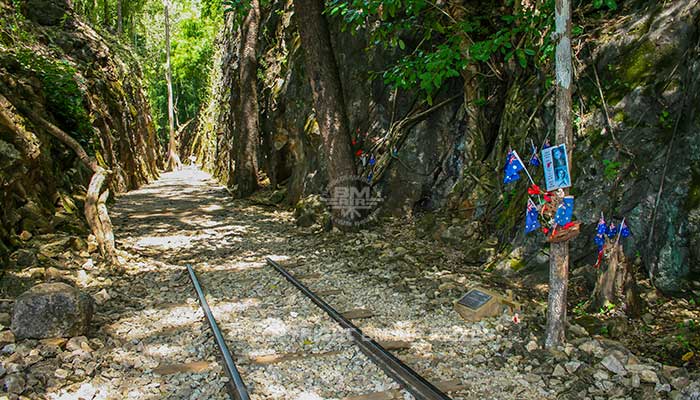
24 258
51 310
309 211
612 364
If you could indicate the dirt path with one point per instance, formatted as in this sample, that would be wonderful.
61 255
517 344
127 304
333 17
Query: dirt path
152 343
185 217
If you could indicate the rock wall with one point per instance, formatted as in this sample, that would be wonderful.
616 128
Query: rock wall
54 66
450 154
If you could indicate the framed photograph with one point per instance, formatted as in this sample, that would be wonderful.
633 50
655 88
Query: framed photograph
556 167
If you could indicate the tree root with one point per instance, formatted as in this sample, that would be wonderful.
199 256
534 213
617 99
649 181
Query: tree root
97 194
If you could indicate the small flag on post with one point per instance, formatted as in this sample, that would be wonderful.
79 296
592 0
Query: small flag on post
534 159
531 221
512 168
624 230
600 239
611 231
565 211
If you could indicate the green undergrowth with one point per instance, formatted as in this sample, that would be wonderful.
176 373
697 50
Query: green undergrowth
64 98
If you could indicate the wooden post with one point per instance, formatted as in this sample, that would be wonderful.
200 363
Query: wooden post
559 252
173 159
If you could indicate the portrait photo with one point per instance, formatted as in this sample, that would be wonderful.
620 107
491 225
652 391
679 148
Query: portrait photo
556 167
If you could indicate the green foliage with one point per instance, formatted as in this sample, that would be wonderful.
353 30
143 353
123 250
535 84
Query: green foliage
193 29
580 309
12 29
62 92
612 169
665 120
436 44
607 308
611 4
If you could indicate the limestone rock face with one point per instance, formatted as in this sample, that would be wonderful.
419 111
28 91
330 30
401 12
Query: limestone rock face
47 12
51 310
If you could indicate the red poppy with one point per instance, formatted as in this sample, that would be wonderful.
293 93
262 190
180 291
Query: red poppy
534 189
545 230
358 153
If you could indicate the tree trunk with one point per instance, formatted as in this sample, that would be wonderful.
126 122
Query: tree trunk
322 71
119 18
246 148
617 285
93 13
227 144
173 159
559 252
105 14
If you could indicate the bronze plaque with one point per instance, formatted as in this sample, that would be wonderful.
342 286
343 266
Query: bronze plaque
475 299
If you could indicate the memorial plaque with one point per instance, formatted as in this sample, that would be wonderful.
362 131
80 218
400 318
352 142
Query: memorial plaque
475 299
481 303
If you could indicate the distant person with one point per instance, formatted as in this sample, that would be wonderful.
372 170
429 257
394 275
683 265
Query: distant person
175 159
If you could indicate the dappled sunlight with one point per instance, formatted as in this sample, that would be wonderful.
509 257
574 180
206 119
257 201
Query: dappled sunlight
402 330
168 242
86 390
227 307
161 350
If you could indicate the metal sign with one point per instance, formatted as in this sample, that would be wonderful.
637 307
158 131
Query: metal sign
475 299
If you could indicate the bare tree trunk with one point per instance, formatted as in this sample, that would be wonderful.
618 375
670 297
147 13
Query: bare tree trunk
173 159
105 14
228 141
559 252
322 71
246 169
93 13
119 18
617 285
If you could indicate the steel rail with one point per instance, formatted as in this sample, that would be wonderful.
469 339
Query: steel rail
237 389
392 366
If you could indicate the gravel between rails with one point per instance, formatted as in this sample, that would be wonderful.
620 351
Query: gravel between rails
264 315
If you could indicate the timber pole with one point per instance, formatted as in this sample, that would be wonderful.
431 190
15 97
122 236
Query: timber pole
559 252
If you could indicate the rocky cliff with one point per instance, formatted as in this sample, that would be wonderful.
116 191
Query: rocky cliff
636 137
55 70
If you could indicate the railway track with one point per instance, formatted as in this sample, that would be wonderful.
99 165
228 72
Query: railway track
376 353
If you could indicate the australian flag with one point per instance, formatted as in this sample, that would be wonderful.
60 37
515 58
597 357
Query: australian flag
624 230
611 231
512 168
600 233
531 221
535 159
600 239
565 211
